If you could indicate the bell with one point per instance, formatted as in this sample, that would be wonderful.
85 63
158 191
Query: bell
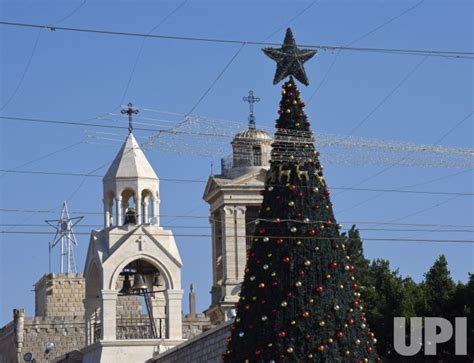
157 281
139 283
130 216
127 286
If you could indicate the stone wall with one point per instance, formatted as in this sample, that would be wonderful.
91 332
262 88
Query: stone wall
207 347
67 335
60 295
7 344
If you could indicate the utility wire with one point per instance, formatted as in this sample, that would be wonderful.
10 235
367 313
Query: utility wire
286 237
142 45
91 175
418 52
370 32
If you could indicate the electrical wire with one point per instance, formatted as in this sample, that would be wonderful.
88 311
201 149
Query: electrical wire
370 32
278 236
417 52
389 94
201 181
142 45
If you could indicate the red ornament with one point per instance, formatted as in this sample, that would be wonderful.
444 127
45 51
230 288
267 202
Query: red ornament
261 285
292 187
350 321
354 285
307 337
378 360
312 232
261 231
306 314
320 348
280 241
326 193
339 334
277 220
258 353
371 335
281 334
369 350
327 316
286 260
319 289
281 112
333 265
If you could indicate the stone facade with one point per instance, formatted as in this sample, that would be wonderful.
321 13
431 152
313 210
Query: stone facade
207 347
59 319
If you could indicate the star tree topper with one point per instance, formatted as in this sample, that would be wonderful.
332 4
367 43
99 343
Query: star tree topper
290 59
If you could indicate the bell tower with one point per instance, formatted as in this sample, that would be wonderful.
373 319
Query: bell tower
234 200
132 263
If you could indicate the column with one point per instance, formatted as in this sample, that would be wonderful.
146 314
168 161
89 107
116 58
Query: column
174 318
118 213
90 307
145 211
214 246
106 213
155 210
229 246
240 242
109 314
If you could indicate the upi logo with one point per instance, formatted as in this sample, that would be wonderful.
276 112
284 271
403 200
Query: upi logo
437 330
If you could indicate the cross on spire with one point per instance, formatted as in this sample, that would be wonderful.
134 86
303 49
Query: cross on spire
130 111
251 99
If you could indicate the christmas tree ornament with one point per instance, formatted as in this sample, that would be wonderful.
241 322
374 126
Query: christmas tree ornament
290 60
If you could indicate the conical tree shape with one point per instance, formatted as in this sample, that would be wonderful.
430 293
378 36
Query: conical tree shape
299 300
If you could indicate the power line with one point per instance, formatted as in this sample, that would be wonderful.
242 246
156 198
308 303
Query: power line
97 226
142 45
286 237
40 172
418 52
326 74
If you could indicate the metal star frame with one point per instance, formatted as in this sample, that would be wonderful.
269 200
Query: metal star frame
65 235
290 59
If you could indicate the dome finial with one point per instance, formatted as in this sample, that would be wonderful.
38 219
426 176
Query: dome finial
251 99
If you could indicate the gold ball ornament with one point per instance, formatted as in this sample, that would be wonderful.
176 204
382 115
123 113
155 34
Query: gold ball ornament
322 323
288 110
357 341
290 350
330 340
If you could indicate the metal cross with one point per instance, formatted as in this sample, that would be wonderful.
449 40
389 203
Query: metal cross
251 99
130 111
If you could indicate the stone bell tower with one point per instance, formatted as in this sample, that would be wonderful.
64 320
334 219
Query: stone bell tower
234 200
131 258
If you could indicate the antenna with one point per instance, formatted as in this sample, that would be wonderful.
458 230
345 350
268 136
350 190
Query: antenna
64 236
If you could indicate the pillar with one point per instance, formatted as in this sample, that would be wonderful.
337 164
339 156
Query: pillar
109 314
228 244
106 213
173 300
118 213
145 210
90 308
241 242
155 211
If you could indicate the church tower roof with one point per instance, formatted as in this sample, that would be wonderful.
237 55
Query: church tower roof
130 162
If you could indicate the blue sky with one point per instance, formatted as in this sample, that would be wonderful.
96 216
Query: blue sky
77 76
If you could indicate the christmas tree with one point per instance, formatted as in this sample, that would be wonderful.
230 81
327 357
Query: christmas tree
300 301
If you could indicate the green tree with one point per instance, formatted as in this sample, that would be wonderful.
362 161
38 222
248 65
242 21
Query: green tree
439 288
300 299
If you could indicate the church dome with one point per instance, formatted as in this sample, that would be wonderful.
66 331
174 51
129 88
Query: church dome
252 134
